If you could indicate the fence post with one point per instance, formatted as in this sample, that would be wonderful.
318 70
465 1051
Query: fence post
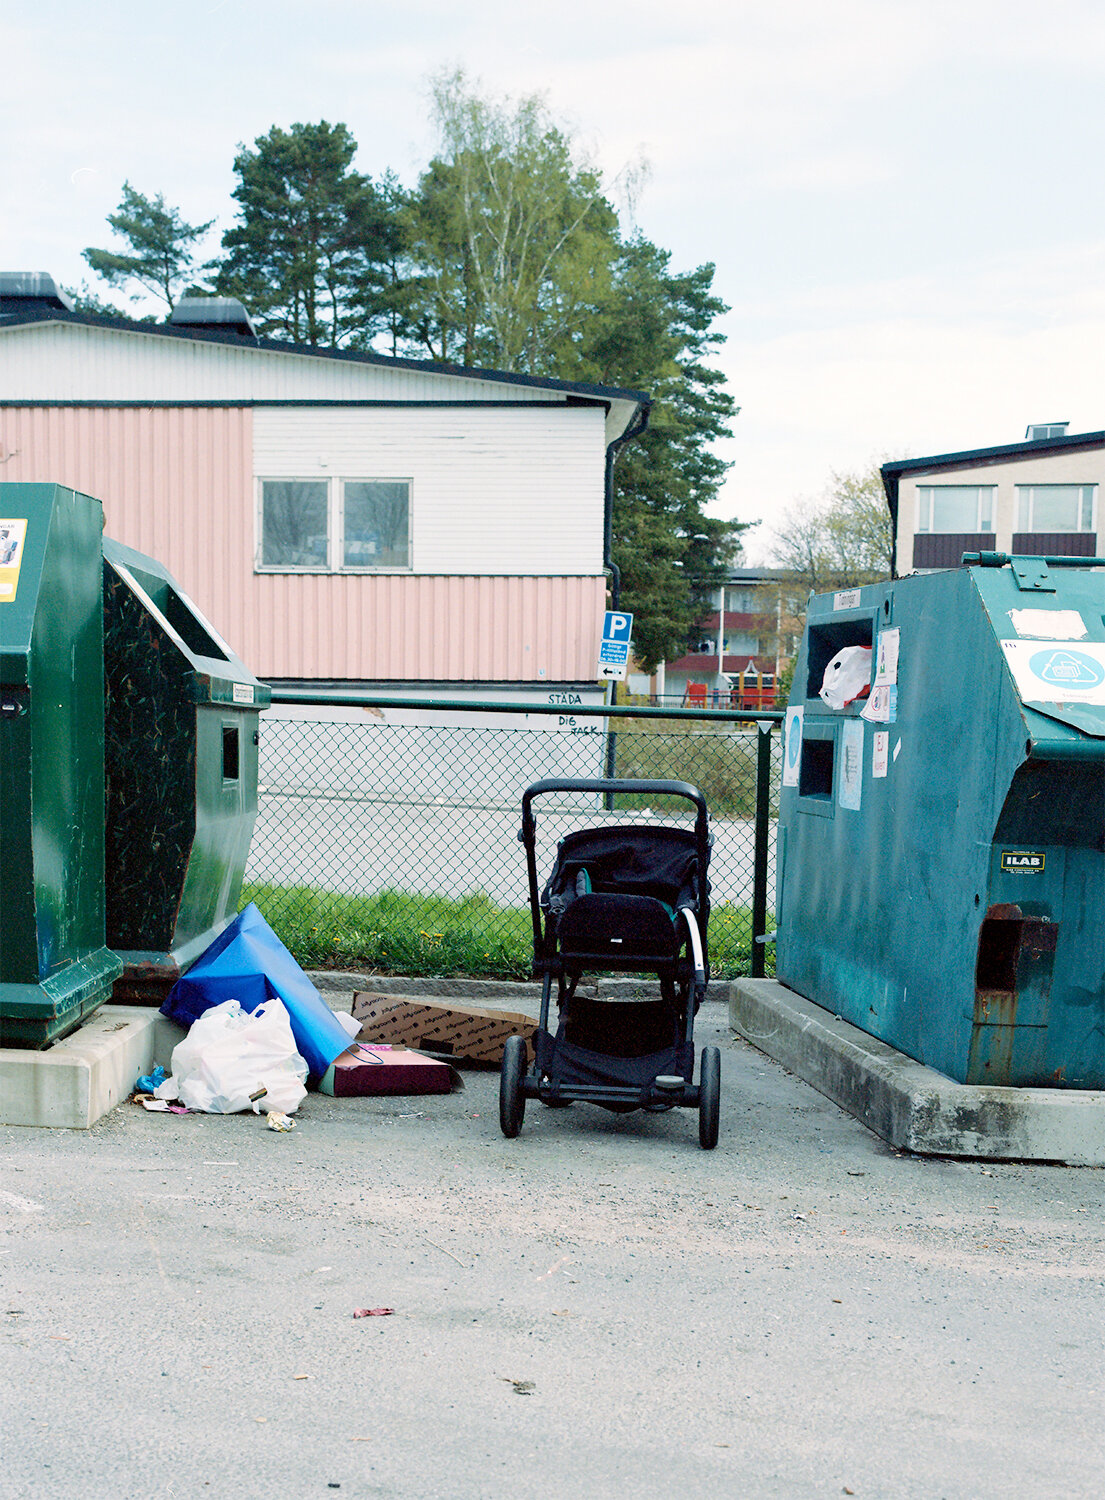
611 769
759 854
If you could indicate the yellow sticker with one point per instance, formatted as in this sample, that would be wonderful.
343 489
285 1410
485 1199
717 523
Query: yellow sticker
13 534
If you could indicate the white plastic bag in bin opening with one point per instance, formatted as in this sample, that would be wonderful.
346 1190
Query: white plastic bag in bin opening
233 1059
847 677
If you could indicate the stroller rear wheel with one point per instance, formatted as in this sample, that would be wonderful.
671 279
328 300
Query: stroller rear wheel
512 1099
709 1097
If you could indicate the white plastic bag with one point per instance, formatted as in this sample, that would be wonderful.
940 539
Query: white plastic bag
847 676
232 1060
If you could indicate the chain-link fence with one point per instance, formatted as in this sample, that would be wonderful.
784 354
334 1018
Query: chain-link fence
391 843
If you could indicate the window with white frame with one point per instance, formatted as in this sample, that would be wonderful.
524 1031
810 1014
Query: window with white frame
962 508
1055 507
333 525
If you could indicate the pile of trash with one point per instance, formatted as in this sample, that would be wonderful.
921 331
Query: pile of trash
259 1035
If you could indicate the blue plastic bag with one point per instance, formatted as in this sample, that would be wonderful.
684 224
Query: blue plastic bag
247 962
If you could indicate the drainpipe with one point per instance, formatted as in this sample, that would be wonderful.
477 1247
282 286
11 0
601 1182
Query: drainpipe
609 565
635 429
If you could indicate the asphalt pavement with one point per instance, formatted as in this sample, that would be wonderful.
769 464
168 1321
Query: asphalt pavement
357 847
596 1309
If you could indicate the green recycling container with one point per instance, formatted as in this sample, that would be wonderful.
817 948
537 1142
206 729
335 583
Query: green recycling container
940 865
181 733
55 967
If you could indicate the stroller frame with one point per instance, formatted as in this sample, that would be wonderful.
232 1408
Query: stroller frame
683 971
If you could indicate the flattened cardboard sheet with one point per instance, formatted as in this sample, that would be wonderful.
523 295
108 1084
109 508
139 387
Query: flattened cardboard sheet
456 1031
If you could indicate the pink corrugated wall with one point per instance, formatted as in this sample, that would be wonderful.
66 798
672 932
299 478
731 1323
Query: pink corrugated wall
406 628
174 481
177 482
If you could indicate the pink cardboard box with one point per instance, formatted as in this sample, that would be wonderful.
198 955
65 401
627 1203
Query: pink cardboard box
363 1070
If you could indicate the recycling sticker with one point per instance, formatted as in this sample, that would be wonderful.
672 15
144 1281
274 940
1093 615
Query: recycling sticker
792 746
1058 674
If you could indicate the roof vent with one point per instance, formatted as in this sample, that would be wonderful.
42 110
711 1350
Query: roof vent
226 314
29 291
1039 430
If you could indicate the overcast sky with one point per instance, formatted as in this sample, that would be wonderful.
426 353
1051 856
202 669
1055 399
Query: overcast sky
904 199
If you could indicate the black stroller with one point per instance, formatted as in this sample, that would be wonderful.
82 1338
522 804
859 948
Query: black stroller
632 899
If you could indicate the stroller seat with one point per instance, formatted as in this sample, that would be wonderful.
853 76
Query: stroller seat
614 893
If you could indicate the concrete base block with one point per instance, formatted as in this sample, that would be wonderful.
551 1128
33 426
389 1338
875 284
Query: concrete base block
909 1105
76 1081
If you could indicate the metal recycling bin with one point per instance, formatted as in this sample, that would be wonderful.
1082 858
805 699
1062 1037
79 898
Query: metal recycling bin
181 733
941 849
55 967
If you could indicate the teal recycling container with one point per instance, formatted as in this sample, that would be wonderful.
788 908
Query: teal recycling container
941 853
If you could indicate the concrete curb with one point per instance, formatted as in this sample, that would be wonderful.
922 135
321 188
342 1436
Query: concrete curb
909 1105
78 1080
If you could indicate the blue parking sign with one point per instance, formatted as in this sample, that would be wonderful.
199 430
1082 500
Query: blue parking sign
617 631
617 627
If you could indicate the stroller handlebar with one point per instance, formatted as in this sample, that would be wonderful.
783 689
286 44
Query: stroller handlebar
613 784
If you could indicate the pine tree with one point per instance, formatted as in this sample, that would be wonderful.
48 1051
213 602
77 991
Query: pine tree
162 247
310 251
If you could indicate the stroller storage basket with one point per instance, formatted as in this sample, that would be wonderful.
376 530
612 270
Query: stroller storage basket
630 898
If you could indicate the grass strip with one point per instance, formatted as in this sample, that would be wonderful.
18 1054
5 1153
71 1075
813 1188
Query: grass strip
428 936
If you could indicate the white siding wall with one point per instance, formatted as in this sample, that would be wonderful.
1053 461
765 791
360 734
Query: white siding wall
495 491
70 362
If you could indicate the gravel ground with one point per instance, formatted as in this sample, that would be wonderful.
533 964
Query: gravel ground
597 1309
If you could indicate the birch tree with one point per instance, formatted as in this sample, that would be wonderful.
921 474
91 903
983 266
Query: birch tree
844 539
527 233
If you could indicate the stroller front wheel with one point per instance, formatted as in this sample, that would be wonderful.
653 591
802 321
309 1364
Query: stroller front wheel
512 1099
709 1097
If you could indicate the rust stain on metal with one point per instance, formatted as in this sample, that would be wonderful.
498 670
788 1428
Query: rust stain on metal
1014 963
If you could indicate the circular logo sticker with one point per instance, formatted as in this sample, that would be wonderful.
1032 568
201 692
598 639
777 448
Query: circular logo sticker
794 740
1066 668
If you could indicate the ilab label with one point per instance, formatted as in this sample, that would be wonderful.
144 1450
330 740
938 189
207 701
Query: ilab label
1021 862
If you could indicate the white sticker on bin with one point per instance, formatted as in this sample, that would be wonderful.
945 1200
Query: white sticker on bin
882 706
880 753
886 658
792 746
851 765
243 693
1049 624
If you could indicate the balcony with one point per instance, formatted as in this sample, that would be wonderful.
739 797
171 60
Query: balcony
945 549
1055 543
